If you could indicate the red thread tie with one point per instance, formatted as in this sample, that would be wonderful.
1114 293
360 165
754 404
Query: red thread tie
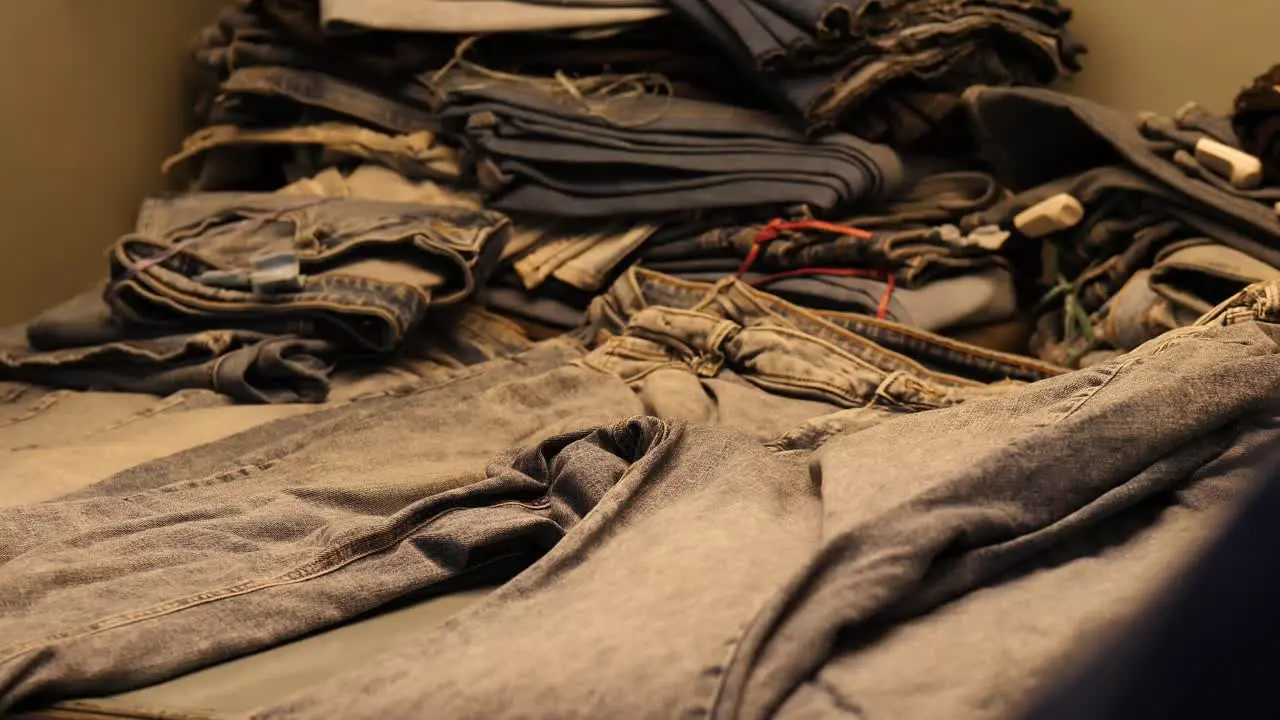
776 226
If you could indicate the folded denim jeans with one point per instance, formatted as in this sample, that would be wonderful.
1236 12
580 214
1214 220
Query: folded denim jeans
1098 137
360 273
275 96
891 74
1188 279
913 236
245 365
82 344
543 149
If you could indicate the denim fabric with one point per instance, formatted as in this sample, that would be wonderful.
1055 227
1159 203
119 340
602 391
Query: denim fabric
543 150
58 441
946 304
1100 136
914 256
730 579
913 236
1186 280
414 155
375 182
312 520
1201 646
538 307
892 73
369 270
882 346
582 259
279 96
82 345
1144 194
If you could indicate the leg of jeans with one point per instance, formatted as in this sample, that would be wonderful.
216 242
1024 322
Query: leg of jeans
1198 647
988 653
354 521
979 456
848 178
591 269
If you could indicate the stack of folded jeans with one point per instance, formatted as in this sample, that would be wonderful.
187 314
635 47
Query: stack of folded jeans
905 259
603 148
1174 218
886 70
360 166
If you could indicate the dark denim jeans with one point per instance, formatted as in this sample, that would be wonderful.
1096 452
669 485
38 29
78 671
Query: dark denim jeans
889 73
1144 195
543 150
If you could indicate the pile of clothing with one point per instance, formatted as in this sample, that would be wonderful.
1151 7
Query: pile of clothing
780 358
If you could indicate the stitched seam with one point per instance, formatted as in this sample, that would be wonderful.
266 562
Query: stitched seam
344 555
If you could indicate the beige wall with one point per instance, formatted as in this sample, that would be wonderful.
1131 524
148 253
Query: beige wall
1158 54
90 101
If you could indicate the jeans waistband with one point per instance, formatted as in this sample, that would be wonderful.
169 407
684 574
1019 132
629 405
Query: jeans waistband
647 321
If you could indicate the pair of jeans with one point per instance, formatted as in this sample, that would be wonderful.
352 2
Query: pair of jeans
584 259
312 520
543 148
716 577
361 273
892 73
81 344
278 96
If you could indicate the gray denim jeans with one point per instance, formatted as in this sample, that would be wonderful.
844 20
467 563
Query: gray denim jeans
719 577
